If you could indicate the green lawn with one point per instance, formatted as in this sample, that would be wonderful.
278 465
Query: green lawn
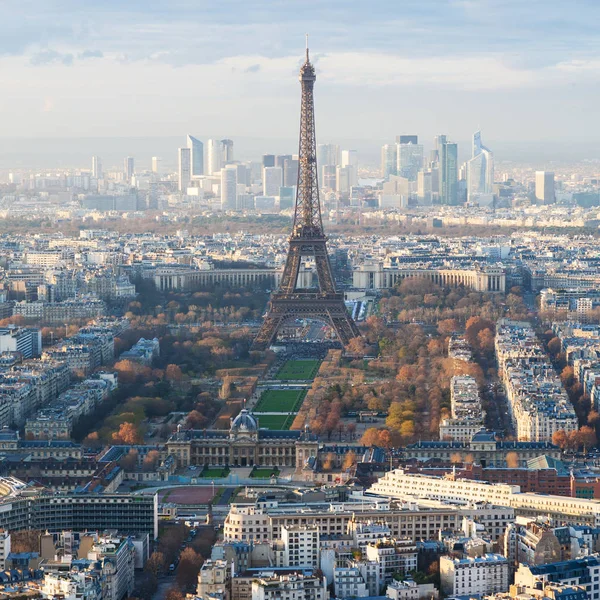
275 422
299 369
215 473
264 473
280 401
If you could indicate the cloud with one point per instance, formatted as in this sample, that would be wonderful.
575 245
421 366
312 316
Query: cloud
253 69
46 57
90 54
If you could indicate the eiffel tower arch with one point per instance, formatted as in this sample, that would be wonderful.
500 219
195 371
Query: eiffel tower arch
307 240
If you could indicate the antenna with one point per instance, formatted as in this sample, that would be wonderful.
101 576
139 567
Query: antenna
306 47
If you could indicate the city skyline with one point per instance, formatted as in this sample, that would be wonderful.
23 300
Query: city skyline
509 80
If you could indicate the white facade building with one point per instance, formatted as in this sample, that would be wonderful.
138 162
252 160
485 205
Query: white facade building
487 574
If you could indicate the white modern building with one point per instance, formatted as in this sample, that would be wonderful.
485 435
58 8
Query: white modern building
184 168
229 186
480 171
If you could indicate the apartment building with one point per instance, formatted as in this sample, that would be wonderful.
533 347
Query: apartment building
481 575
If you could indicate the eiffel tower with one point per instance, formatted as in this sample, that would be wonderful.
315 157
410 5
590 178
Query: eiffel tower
290 302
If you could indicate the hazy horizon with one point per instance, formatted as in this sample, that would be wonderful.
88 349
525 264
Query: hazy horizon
516 70
56 153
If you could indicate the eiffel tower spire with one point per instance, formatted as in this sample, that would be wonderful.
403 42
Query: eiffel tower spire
307 239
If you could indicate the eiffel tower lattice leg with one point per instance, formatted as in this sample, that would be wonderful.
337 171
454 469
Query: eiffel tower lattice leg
267 332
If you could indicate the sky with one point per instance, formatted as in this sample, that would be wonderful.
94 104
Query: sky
519 70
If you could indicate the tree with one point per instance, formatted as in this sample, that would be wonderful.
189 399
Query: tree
567 376
173 373
349 460
174 594
512 460
448 326
358 346
560 439
407 429
370 437
384 439
189 567
554 346
129 461
156 564
128 433
593 417
587 437
150 461
92 440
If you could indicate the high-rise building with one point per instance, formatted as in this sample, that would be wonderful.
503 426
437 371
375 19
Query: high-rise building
449 173
410 159
155 164
268 160
350 159
185 166
389 159
290 172
272 180
96 167
229 187
544 187
424 186
128 168
214 157
407 139
328 154
436 153
227 151
480 170
281 158
343 179
197 156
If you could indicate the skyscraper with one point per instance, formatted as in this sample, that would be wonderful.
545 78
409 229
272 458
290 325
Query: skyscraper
389 159
480 170
268 160
407 139
290 172
272 180
96 167
410 158
350 159
197 156
214 157
436 153
226 151
155 164
449 173
229 187
544 187
185 166
128 168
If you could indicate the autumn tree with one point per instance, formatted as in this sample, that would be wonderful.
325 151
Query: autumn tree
173 373
554 346
370 437
129 461
156 564
560 439
587 437
92 440
189 567
128 433
349 460
512 460
174 593
150 461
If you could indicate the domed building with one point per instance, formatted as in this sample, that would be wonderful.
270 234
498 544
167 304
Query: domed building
244 445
